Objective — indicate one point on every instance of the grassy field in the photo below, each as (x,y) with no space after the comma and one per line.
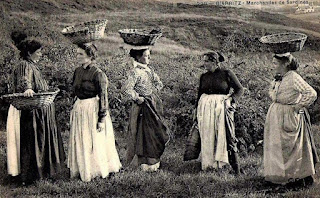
(311,17)
(188,32)
(176,178)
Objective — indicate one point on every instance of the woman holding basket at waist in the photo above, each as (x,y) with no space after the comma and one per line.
(219,88)
(41,151)
(147,132)
(92,151)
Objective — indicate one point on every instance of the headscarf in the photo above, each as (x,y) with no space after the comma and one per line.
(214,56)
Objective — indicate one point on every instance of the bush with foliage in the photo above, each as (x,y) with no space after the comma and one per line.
(179,70)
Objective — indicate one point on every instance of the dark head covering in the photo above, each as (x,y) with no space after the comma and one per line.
(18,37)
(214,56)
(137,53)
(90,49)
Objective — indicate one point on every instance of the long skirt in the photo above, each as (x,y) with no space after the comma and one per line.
(91,153)
(13,141)
(289,150)
(35,147)
(148,134)
(211,122)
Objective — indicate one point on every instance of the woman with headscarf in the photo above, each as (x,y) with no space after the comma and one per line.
(92,151)
(36,143)
(289,149)
(147,132)
(218,90)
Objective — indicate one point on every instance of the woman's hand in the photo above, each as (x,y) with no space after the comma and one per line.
(100,127)
(28,93)
(230,105)
(228,101)
(298,108)
(140,100)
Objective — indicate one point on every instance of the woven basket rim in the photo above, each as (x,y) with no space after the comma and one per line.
(65,31)
(83,26)
(303,36)
(129,31)
(15,95)
(97,21)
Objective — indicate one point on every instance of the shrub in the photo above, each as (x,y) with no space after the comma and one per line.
(177,65)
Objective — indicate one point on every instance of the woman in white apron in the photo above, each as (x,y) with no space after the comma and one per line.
(35,147)
(219,88)
(92,151)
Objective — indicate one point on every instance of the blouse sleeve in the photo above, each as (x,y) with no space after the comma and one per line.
(102,87)
(236,85)
(157,82)
(24,77)
(273,89)
(128,91)
(307,94)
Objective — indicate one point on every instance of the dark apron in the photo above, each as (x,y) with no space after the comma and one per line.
(147,132)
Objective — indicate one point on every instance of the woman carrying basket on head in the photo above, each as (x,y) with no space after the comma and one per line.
(219,88)
(289,151)
(92,151)
(147,132)
(39,153)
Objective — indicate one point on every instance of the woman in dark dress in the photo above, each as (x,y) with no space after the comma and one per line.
(147,132)
(219,89)
(41,149)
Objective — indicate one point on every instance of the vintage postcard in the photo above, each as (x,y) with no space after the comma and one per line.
(160,98)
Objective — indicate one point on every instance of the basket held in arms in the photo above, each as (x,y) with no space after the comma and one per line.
(284,42)
(39,100)
(85,32)
(139,37)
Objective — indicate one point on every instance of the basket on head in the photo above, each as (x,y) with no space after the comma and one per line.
(85,32)
(140,37)
(39,100)
(284,42)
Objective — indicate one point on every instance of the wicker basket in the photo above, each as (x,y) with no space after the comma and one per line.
(85,32)
(39,100)
(139,37)
(285,42)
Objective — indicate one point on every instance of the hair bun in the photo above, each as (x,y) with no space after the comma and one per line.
(18,38)
(294,64)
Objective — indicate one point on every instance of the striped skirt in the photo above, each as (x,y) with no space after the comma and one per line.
(40,152)
(148,135)
(289,151)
